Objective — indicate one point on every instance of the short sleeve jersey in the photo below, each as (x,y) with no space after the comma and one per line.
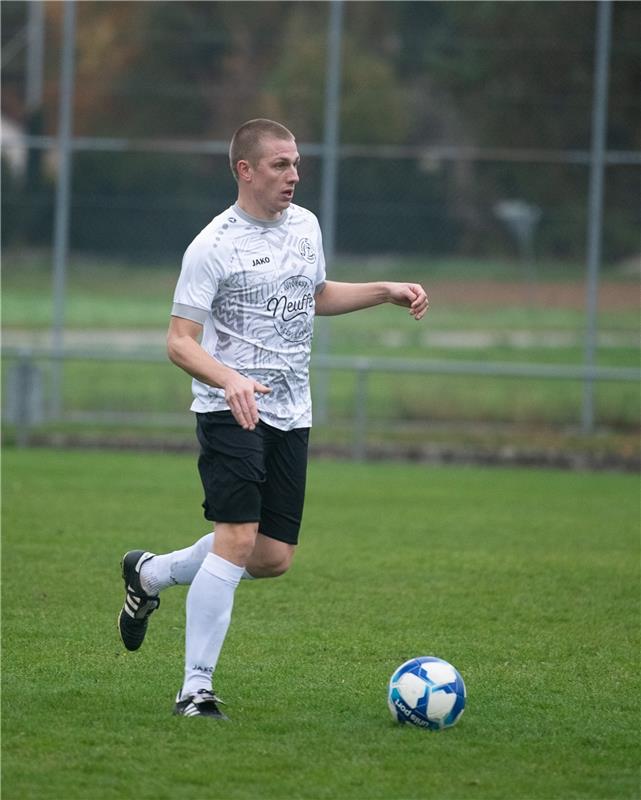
(251,284)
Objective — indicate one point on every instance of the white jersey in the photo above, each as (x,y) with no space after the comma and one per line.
(251,284)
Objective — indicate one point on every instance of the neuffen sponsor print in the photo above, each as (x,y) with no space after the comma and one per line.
(292,308)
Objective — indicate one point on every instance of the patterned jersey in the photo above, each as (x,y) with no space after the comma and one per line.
(251,284)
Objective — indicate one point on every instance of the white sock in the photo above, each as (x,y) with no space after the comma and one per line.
(209,604)
(177,568)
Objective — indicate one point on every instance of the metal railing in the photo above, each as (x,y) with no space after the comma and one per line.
(25,408)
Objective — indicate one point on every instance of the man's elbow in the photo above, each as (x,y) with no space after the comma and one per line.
(174,349)
(320,303)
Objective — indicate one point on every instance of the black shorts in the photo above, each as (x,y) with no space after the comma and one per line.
(253,476)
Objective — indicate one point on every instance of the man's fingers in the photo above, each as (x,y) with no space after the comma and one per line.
(243,413)
(420,303)
(411,295)
(243,405)
(419,307)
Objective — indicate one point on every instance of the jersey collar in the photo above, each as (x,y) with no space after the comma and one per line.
(262,223)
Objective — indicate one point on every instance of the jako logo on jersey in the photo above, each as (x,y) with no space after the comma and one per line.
(291,308)
(258,261)
(306,249)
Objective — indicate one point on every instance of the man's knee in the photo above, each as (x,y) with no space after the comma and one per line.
(235,542)
(270,558)
(275,567)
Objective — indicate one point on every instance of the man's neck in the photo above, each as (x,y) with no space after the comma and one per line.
(261,221)
(256,212)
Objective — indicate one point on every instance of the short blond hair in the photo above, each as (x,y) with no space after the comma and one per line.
(246,142)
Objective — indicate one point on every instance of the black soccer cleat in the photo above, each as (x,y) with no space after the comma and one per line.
(134,615)
(202,703)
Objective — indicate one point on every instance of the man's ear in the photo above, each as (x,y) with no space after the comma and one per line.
(244,170)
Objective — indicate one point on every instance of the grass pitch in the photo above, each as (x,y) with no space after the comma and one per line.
(527,581)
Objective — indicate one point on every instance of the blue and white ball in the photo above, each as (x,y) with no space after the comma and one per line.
(427,692)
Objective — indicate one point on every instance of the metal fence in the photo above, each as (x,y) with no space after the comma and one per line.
(28,400)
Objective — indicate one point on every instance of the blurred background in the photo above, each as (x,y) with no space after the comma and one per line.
(490,150)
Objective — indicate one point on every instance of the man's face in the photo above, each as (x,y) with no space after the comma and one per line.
(273,178)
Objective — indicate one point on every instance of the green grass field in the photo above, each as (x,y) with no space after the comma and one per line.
(528,581)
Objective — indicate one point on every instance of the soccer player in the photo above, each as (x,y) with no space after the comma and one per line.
(241,326)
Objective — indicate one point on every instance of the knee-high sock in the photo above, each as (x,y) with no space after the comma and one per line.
(178,567)
(209,604)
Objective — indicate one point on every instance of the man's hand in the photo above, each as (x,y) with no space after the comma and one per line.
(240,394)
(411,295)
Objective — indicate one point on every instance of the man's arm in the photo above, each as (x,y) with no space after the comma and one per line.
(184,350)
(336,297)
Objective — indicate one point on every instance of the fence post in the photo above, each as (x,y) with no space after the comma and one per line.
(329,179)
(359,443)
(595,205)
(63,199)
(25,397)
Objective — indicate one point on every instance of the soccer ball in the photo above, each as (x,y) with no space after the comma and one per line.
(427,692)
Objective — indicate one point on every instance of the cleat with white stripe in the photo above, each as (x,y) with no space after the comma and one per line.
(138,605)
(202,703)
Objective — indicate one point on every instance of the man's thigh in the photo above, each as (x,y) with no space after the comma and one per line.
(232,469)
(283,493)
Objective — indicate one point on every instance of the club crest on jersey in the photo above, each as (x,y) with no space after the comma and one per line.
(306,249)
(292,308)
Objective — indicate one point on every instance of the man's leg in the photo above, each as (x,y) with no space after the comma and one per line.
(211,596)
(209,605)
(147,574)
(269,559)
